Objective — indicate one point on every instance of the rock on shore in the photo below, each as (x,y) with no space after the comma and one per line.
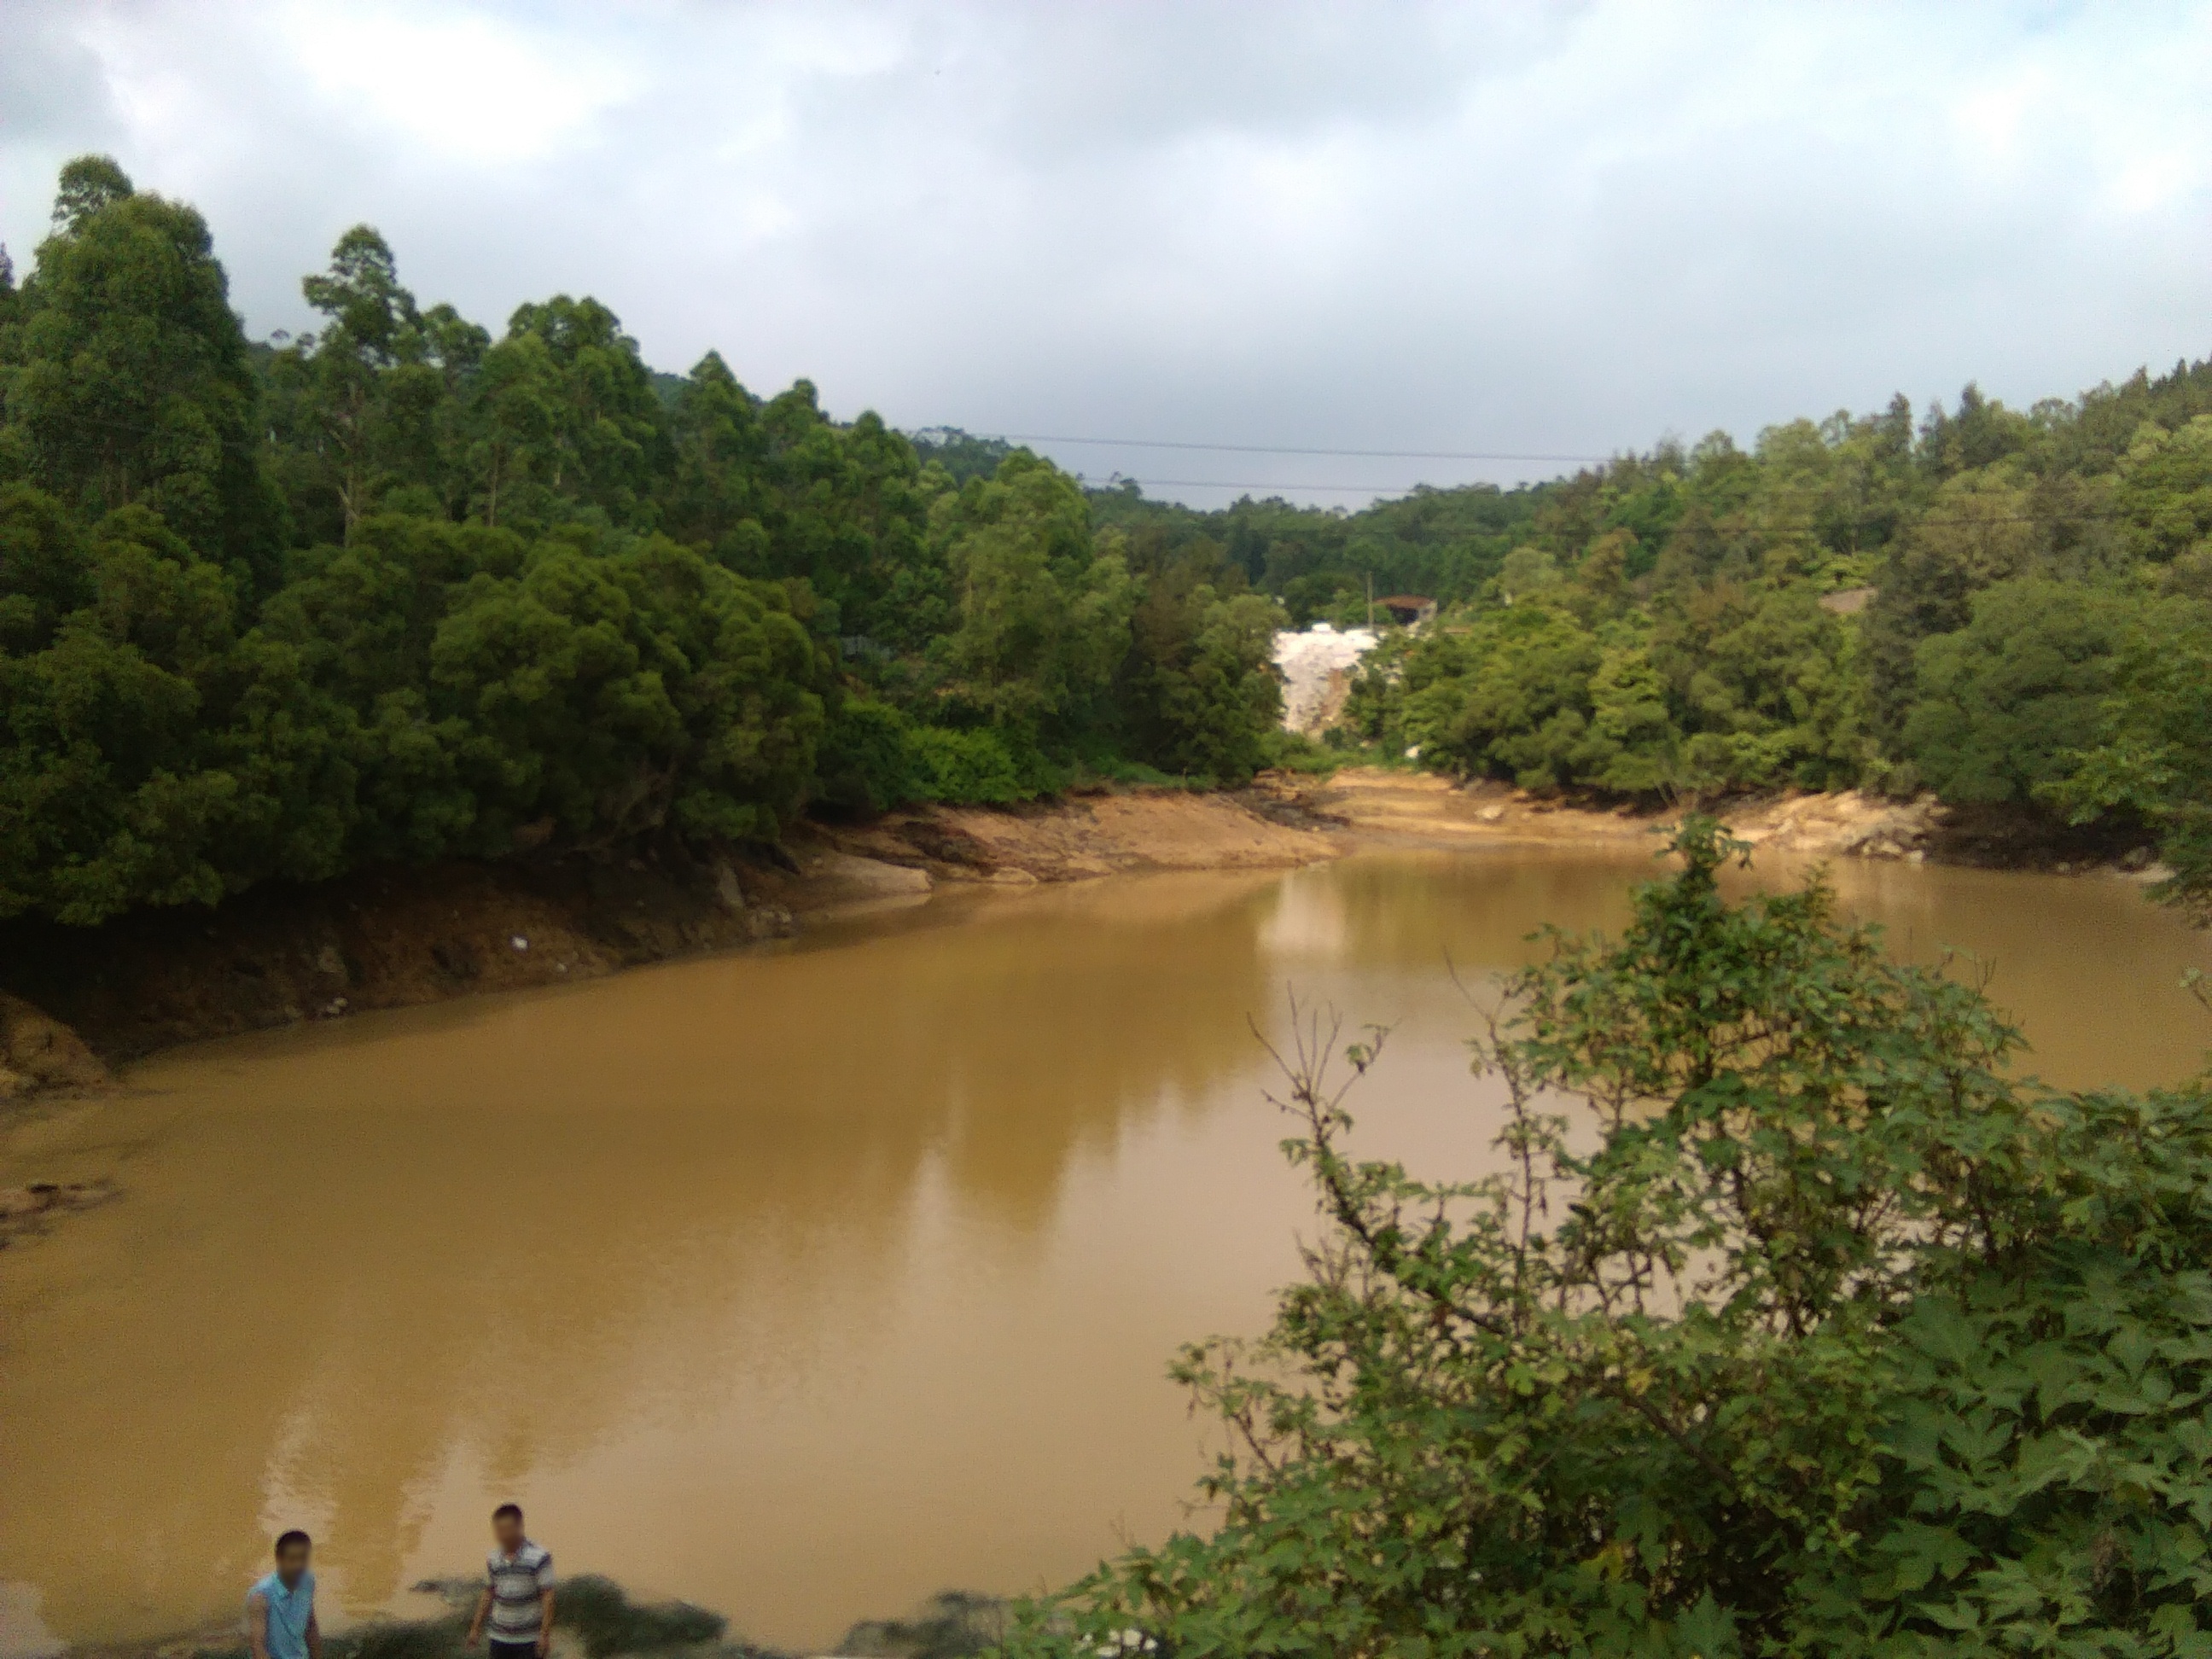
(39,1054)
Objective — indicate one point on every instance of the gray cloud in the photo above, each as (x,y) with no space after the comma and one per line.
(1473,227)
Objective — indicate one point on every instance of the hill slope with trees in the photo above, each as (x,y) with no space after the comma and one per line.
(398,589)
(401,589)
(2014,609)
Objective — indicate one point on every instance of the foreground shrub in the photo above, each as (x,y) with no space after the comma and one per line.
(953,1625)
(608,1622)
(1794,1324)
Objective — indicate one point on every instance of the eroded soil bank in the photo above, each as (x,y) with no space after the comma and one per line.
(392,937)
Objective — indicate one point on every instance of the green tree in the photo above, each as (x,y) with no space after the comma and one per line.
(108,797)
(1629,746)
(716,495)
(131,384)
(563,419)
(2005,701)
(847,515)
(2164,494)
(621,691)
(1511,699)
(1978,530)
(359,405)
(1043,618)
(87,186)
(1768,687)
(2151,758)
(1198,689)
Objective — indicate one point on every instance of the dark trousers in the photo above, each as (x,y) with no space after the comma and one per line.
(513,1649)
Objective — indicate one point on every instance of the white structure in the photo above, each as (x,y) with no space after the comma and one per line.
(1316,668)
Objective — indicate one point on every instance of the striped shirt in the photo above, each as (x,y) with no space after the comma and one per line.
(518,1583)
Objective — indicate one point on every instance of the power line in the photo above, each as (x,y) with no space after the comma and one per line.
(1760,526)
(1285,449)
(1225,484)
(1902,510)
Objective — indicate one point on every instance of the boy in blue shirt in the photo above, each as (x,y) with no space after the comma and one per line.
(280,1610)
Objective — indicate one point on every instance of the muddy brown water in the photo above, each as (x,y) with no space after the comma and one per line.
(803,1283)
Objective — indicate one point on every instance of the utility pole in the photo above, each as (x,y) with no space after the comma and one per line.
(1370,601)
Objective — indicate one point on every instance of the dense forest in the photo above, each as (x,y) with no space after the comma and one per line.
(2013,610)
(396,589)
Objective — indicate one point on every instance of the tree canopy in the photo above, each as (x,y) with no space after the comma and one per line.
(401,589)
(1984,603)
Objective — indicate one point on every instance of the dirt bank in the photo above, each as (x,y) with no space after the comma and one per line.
(1389,806)
(1092,835)
(390,938)
(1374,805)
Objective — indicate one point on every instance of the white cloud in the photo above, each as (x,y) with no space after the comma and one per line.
(1437,226)
(470,90)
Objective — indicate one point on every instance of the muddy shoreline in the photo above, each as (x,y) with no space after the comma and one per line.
(75,1002)
(1421,808)
(598,1616)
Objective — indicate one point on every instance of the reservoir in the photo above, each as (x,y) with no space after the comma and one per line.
(806,1282)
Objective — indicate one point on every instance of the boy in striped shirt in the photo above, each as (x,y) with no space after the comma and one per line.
(518,1596)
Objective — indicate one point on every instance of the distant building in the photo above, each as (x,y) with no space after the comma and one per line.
(1408,609)
(1848,601)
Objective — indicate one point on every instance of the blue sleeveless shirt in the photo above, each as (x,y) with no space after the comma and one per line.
(290,1610)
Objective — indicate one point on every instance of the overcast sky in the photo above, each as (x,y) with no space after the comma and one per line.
(1506,228)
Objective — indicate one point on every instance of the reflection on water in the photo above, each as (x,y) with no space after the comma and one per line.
(801,1284)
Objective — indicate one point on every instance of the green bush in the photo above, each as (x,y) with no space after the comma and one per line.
(428,1638)
(868,761)
(610,1623)
(875,757)
(955,1624)
(1293,751)
(979,767)
(1792,1323)
(2003,700)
